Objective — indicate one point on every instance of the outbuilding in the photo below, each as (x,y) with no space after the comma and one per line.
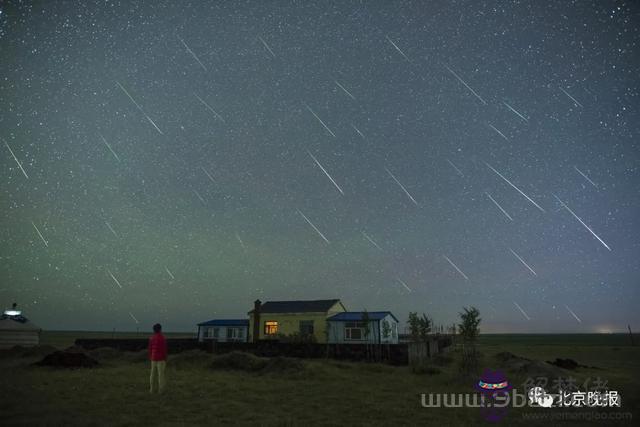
(15,329)
(223,330)
(350,327)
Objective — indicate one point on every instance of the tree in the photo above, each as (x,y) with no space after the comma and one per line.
(386,333)
(366,330)
(414,326)
(419,326)
(424,327)
(469,331)
(470,320)
(386,329)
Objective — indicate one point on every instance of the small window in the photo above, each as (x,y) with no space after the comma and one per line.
(306,327)
(354,324)
(353,333)
(235,333)
(212,332)
(270,327)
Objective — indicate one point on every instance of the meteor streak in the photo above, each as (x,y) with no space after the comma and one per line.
(582,222)
(320,120)
(466,85)
(522,261)
(402,186)
(513,185)
(456,267)
(326,173)
(312,225)
(40,234)
(16,159)
(522,311)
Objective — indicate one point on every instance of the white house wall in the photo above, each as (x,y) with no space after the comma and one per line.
(222,335)
(393,336)
(8,339)
(337,334)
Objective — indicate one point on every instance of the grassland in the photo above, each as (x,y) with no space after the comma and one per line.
(325,392)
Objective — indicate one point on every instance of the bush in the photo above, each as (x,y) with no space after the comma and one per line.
(240,361)
(297,338)
(189,358)
(425,369)
(442,359)
(282,364)
(68,359)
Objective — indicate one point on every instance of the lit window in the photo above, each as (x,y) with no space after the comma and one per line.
(270,327)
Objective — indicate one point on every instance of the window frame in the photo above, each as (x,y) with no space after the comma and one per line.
(270,327)
(351,326)
(306,323)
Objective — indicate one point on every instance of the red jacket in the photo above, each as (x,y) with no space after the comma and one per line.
(157,347)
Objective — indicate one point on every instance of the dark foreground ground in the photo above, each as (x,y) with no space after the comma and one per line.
(308,393)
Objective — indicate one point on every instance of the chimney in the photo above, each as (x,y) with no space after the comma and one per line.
(256,320)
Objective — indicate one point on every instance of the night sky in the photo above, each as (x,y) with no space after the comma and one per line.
(172,161)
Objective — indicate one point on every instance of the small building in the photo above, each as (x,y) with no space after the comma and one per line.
(350,328)
(15,329)
(224,330)
(277,319)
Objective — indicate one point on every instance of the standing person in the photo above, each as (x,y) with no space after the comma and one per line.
(158,357)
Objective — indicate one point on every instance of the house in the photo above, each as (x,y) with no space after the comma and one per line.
(275,319)
(15,329)
(223,330)
(349,327)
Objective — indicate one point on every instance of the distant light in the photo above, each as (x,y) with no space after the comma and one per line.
(12,312)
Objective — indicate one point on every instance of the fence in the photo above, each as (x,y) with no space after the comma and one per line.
(395,354)
(420,352)
(175,345)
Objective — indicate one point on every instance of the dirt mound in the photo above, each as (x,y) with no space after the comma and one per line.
(68,359)
(569,364)
(239,360)
(532,368)
(75,349)
(283,365)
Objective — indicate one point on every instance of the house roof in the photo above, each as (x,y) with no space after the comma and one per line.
(312,306)
(225,322)
(357,316)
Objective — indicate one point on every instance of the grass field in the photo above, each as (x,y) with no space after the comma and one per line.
(323,392)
